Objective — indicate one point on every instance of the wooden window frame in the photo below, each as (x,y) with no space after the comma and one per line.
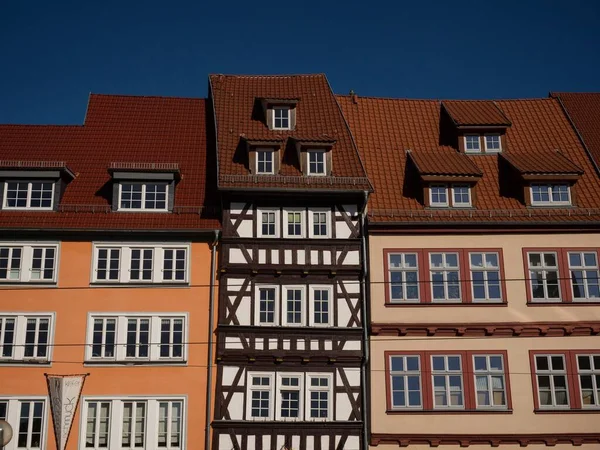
(19,338)
(485,143)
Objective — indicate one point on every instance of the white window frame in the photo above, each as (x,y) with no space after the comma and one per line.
(125,262)
(447,373)
(593,372)
(485,270)
(270,152)
(144,185)
(461,204)
(551,372)
(19,338)
(445,269)
(439,204)
(259,231)
(270,389)
(492,150)
(405,374)
(321,287)
(403,269)
(29,189)
(289,117)
(549,187)
(311,223)
(279,396)
(323,153)
(302,213)
(154,340)
(14,415)
(310,389)
(276,312)
(544,269)
(584,269)
(26,269)
(284,305)
(151,422)
(490,373)
(467,150)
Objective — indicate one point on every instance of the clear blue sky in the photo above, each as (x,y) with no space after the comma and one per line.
(54,53)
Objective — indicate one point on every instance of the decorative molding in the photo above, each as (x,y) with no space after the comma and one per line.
(494,440)
(516,329)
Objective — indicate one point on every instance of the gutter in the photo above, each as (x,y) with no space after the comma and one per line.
(365,364)
(209,366)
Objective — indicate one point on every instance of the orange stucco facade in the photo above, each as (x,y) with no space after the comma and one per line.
(73,298)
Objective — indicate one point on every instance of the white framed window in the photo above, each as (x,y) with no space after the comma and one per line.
(34,195)
(405,382)
(120,338)
(551,381)
(472,143)
(289,396)
(294,223)
(264,161)
(266,305)
(588,370)
(461,195)
(260,393)
(493,144)
(28,263)
(317,164)
(128,423)
(584,275)
(321,301)
(490,385)
(319,223)
(294,305)
(28,418)
(447,381)
(544,276)
(268,222)
(445,277)
(319,396)
(26,337)
(281,118)
(147,263)
(438,195)
(485,277)
(404,277)
(143,196)
(550,194)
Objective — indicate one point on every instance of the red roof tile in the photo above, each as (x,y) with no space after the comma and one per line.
(444,162)
(583,110)
(542,162)
(538,126)
(475,113)
(318,119)
(123,129)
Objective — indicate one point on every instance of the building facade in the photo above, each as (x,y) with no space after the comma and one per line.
(291,316)
(105,270)
(483,254)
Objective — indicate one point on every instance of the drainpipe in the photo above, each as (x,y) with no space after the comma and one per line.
(365,323)
(211,307)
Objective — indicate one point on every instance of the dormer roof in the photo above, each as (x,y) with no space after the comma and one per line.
(543,162)
(475,113)
(54,169)
(444,162)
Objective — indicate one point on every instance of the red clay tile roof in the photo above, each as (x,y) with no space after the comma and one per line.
(475,113)
(415,124)
(584,111)
(318,119)
(542,162)
(122,129)
(444,162)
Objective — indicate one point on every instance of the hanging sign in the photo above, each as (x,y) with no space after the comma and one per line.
(64,391)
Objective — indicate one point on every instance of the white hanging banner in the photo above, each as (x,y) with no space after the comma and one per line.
(64,391)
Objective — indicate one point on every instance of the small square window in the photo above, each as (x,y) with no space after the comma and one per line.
(472,143)
(264,161)
(281,118)
(492,143)
(438,195)
(461,195)
(550,194)
(316,162)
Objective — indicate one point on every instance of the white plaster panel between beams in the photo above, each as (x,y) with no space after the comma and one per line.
(287,256)
(352,258)
(236,406)
(280,441)
(272,343)
(352,286)
(274,256)
(266,439)
(286,344)
(262,256)
(328,345)
(327,258)
(235,284)
(243,313)
(341,230)
(229,373)
(295,442)
(343,407)
(233,343)
(250,442)
(314,257)
(225,442)
(343,312)
(352,374)
(325,442)
(245,229)
(314,345)
(352,345)
(236,256)
(258,344)
(300,344)
(352,442)
(301,257)
(310,443)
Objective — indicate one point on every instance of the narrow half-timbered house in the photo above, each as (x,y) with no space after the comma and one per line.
(290,335)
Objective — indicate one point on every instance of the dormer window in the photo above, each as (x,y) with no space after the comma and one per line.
(439,195)
(461,195)
(449,195)
(472,143)
(493,143)
(281,117)
(28,195)
(550,194)
(143,196)
(264,161)
(316,162)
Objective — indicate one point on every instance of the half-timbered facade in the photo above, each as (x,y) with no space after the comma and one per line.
(290,335)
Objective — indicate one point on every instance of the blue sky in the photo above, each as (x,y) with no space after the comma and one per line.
(54,53)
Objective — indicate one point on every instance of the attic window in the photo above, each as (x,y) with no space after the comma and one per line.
(472,144)
(143,196)
(317,164)
(264,161)
(450,195)
(281,117)
(28,195)
(550,194)
(493,143)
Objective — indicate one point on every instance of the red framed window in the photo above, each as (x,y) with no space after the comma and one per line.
(566,380)
(447,381)
(568,275)
(444,276)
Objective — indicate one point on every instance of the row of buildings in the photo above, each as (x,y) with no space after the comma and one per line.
(279,267)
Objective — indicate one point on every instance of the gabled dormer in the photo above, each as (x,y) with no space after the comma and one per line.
(280,113)
(546,177)
(264,156)
(33,185)
(314,155)
(480,126)
(144,187)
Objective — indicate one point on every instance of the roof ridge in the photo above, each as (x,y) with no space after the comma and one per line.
(372,97)
(147,96)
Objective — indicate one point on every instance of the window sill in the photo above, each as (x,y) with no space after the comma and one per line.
(108,363)
(137,284)
(447,304)
(567,411)
(577,303)
(449,411)
(27,284)
(26,362)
